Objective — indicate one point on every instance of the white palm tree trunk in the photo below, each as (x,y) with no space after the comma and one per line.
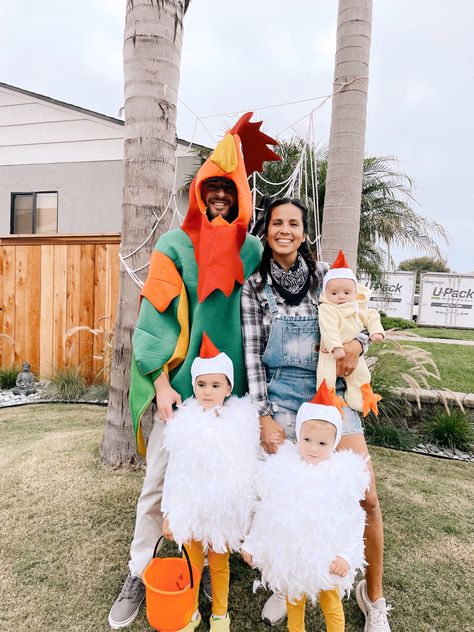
(152,57)
(347,136)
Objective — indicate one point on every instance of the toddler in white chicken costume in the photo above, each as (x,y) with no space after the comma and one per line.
(307,532)
(209,489)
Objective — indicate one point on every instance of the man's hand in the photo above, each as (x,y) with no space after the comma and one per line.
(338,353)
(166,530)
(347,365)
(339,567)
(166,396)
(248,559)
(272,434)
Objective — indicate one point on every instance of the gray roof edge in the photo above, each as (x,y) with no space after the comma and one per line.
(70,106)
(77,108)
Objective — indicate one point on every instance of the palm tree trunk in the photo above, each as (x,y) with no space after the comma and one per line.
(152,56)
(347,137)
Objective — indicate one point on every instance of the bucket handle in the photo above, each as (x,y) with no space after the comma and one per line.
(185,554)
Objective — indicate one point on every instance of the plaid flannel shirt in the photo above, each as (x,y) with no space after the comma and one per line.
(256,324)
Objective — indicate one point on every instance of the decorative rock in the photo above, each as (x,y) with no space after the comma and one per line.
(468,401)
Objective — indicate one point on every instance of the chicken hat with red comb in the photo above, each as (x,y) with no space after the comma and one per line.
(211,360)
(340,269)
(322,408)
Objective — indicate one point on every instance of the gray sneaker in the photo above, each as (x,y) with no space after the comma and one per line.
(274,610)
(206,582)
(375,612)
(125,609)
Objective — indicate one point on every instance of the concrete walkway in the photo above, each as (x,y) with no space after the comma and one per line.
(444,341)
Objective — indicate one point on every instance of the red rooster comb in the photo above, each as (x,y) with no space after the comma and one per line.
(340,261)
(208,348)
(254,143)
(322,396)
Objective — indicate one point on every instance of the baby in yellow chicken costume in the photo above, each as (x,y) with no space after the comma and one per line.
(343,314)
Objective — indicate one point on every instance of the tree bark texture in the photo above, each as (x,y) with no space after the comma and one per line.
(341,219)
(152,57)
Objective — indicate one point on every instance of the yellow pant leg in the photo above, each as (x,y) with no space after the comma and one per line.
(196,555)
(220,577)
(326,370)
(296,615)
(331,605)
(354,381)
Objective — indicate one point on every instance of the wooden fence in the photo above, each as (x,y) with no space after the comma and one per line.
(49,285)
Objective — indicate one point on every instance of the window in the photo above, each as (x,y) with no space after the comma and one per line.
(34,213)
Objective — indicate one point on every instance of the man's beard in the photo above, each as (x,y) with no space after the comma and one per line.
(233,214)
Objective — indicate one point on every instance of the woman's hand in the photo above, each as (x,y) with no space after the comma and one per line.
(166,396)
(248,559)
(272,434)
(339,567)
(345,366)
(166,530)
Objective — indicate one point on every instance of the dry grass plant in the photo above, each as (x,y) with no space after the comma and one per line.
(104,336)
(67,523)
(395,365)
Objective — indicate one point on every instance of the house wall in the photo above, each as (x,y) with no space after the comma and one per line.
(89,193)
(46,145)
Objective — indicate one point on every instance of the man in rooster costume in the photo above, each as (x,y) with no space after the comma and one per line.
(194,283)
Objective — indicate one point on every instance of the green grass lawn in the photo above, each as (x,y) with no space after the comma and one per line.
(67,522)
(455,364)
(448,334)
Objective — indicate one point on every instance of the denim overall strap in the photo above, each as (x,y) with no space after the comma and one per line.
(271,301)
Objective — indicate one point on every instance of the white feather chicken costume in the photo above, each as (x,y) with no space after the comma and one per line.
(308,515)
(209,487)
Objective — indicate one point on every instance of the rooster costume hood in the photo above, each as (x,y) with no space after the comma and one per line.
(196,275)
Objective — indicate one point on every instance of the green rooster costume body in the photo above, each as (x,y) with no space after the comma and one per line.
(196,276)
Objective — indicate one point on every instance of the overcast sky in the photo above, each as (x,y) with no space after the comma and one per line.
(249,54)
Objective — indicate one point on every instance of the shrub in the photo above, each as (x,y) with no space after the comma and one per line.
(66,384)
(388,436)
(451,428)
(8,377)
(395,322)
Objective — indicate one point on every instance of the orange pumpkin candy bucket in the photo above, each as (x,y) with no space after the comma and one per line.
(171,585)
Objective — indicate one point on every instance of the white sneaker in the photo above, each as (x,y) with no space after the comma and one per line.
(274,610)
(375,612)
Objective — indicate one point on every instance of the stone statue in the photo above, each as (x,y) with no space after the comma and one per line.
(25,381)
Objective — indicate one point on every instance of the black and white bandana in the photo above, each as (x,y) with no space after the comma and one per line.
(292,285)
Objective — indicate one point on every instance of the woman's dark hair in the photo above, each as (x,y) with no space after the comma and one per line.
(304,250)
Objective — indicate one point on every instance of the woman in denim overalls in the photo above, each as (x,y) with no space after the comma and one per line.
(281,345)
